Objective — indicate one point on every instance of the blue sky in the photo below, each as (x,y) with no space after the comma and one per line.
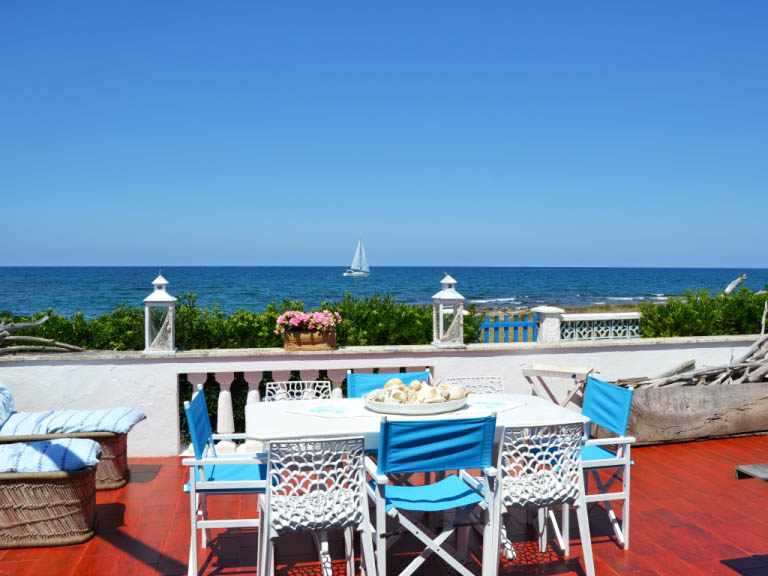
(513,134)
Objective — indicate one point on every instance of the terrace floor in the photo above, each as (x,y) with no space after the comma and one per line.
(689,516)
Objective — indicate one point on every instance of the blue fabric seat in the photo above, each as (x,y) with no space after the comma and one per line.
(451,492)
(593,453)
(230,473)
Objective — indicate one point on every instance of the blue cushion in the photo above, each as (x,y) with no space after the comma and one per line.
(451,492)
(66,454)
(118,420)
(6,403)
(232,473)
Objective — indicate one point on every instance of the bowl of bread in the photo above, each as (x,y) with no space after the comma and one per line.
(416,398)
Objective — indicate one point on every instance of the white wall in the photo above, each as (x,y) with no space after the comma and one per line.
(104,379)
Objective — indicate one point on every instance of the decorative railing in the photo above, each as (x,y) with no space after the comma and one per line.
(223,390)
(600,326)
(522,328)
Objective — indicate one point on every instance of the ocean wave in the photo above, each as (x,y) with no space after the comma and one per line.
(625,298)
(490,300)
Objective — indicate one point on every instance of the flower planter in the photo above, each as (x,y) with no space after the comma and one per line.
(297,340)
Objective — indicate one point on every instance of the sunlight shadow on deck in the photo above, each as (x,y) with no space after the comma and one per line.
(756,565)
(111,518)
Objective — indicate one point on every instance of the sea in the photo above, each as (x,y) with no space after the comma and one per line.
(97,290)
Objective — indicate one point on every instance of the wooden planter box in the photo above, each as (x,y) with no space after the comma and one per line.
(304,340)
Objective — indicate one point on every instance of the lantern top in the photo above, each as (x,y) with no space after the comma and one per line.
(159,295)
(449,291)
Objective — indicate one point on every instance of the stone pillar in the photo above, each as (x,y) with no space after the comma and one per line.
(337,377)
(225,419)
(254,380)
(309,375)
(281,375)
(549,323)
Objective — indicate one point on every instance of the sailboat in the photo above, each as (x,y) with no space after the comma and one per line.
(359,263)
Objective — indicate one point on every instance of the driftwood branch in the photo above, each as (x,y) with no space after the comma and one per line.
(50,344)
(49,341)
(16,349)
(751,367)
(732,286)
(21,325)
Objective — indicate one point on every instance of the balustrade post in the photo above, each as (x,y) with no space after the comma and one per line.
(337,377)
(281,375)
(225,419)
(254,381)
(549,323)
(309,375)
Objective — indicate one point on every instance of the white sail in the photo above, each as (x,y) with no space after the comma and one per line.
(359,256)
(364,260)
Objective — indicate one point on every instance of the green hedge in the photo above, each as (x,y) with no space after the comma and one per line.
(370,321)
(701,313)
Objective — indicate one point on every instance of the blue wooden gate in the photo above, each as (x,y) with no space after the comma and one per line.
(522,328)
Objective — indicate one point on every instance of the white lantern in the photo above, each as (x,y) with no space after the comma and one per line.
(159,319)
(448,301)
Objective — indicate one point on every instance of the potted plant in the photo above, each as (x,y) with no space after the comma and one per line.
(308,330)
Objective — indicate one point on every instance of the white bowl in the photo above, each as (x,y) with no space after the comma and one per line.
(415,409)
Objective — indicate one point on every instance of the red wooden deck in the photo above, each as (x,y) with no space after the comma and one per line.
(689,516)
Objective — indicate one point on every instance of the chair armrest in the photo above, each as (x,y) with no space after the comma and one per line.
(471,481)
(490,471)
(371,468)
(225,461)
(610,441)
(237,436)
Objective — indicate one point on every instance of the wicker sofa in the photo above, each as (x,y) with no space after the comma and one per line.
(108,427)
(52,507)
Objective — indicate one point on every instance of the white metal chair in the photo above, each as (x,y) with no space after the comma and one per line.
(298,390)
(536,375)
(408,447)
(479,384)
(316,485)
(540,467)
(211,475)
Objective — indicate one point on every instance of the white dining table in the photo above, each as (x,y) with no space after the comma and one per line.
(281,420)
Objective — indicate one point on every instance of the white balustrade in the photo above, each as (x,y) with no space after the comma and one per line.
(225,417)
(254,381)
(601,326)
(337,377)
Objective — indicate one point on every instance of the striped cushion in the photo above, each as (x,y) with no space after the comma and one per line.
(6,403)
(118,420)
(49,455)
